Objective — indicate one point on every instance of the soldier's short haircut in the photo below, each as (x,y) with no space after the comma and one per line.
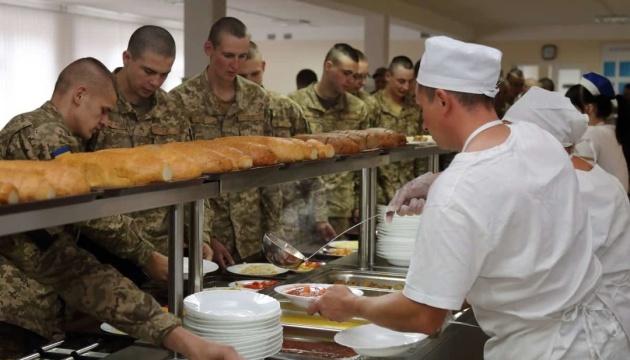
(400,60)
(152,38)
(467,100)
(87,71)
(360,55)
(341,49)
(226,25)
(253,52)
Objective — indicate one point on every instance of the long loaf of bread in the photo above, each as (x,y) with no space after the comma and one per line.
(67,180)
(115,168)
(285,150)
(183,167)
(206,159)
(342,144)
(30,185)
(8,194)
(324,151)
(260,154)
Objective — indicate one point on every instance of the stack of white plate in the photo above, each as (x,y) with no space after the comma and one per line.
(245,320)
(395,240)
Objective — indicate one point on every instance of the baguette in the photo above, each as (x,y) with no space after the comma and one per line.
(65,179)
(260,154)
(30,185)
(285,149)
(240,160)
(207,160)
(183,166)
(8,194)
(115,168)
(359,137)
(324,151)
(341,144)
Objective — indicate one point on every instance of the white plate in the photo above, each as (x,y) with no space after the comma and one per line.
(345,244)
(304,301)
(231,305)
(112,330)
(266,269)
(208,267)
(373,340)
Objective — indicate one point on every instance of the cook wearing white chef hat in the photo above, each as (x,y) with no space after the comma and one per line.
(502,227)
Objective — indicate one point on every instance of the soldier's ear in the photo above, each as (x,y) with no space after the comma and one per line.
(264,64)
(208,48)
(126,56)
(78,95)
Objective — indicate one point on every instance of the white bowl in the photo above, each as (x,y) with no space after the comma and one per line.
(373,340)
(304,301)
(231,305)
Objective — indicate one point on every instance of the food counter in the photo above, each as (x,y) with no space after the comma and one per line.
(30,216)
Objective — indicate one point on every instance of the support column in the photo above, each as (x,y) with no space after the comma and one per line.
(376,40)
(199,15)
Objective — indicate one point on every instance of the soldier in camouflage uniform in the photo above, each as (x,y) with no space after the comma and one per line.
(398,113)
(357,88)
(218,103)
(41,264)
(304,218)
(328,107)
(142,116)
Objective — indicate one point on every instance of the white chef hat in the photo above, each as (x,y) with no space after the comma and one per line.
(552,112)
(454,65)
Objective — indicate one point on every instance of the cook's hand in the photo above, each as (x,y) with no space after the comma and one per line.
(221,254)
(409,200)
(325,230)
(206,252)
(337,304)
(194,347)
(157,267)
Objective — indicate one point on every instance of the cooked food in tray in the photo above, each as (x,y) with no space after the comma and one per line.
(307,291)
(256,269)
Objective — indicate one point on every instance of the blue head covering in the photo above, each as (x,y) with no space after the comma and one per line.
(598,85)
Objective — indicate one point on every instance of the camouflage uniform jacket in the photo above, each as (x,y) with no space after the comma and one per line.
(49,261)
(409,122)
(135,236)
(342,190)
(371,106)
(239,220)
(304,201)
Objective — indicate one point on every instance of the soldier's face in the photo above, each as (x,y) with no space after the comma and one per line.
(228,56)
(92,111)
(360,76)
(400,82)
(147,72)
(253,70)
(342,73)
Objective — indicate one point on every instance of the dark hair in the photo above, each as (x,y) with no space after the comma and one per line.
(360,55)
(627,87)
(228,25)
(305,77)
(381,71)
(547,84)
(467,100)
(400,60)
(152,38)
(622,128)
(580,97)
(416,68)
(339,50)
(253,51)
(86,70)
(514,72)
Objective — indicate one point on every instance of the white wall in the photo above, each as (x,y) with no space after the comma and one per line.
(36,44)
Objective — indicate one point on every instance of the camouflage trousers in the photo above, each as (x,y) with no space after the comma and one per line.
(82,282)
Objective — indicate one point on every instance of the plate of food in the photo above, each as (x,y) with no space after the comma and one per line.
(420,140)
(256,269)
(345,244)
(253,285)
(302,295)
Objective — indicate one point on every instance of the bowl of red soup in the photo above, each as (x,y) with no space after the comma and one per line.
(302,295)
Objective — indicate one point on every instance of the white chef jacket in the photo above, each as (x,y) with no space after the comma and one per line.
(600,144)
(609,211)
(505,229)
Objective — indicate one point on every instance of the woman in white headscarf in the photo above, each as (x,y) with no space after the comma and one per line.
(601,192)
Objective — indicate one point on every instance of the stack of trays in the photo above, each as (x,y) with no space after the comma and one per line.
(395,241)
(245,320)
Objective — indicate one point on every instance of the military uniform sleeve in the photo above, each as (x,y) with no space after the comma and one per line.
(120,235)
(89,286)
(271,204)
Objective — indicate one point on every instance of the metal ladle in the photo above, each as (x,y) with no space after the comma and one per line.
(282,254)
